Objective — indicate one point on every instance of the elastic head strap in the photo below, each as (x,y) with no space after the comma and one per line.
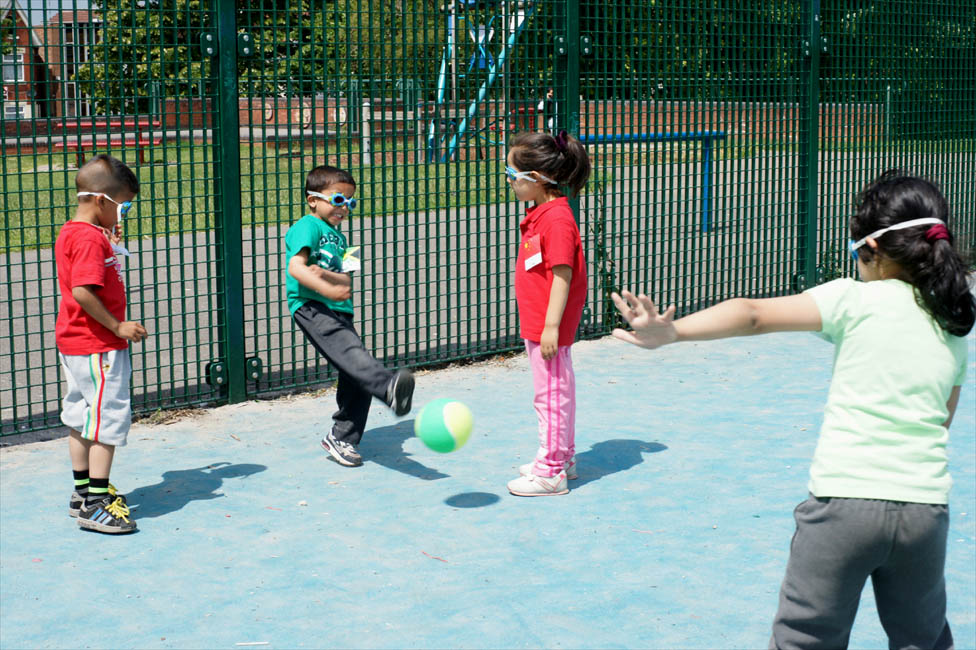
(898,226)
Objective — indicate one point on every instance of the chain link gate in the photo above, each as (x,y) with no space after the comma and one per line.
(728,139)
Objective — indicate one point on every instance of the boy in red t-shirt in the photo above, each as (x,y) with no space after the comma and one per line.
(93,339)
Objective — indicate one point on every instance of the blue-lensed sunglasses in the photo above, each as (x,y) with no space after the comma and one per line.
(515,175)
(121,211)
(854,245)
(336,199)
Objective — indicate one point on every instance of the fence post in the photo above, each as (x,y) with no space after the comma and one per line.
(887,114)
(366,151)
(568,70)
(811,46)
(354,99)
(227,154)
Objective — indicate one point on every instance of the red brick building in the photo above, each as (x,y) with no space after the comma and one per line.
(39,63)
(25,76)
(67,39)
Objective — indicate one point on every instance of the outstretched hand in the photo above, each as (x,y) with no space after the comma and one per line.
(649,328)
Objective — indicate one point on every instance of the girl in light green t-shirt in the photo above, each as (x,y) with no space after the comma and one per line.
(879,481)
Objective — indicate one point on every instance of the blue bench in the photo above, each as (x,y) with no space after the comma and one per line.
(706,137)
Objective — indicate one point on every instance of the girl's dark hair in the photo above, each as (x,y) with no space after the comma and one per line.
(562,158)
(931,264)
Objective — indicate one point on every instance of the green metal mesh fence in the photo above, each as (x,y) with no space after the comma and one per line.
(911,66)
(728,139)
(694,111)
(105,79)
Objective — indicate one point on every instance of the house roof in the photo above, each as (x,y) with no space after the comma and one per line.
(50,33)
(68,17)
(5,8)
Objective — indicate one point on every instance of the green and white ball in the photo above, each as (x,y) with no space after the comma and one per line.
(444,425)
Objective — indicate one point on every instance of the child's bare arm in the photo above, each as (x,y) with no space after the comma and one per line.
(562,275)
(330,284)
(952,404)
(746,317)
(94,307)
(737,317)
(334,277)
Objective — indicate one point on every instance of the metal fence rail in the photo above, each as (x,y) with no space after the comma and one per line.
(728,139)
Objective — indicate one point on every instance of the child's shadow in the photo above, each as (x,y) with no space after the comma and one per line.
(384,446)
(180,487)
(611,456)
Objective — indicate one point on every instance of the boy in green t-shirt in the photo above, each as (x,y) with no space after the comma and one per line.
(319,289)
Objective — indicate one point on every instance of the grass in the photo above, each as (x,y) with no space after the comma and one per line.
(179,190)
(180,185)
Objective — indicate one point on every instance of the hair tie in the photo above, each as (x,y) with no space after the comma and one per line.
(561,141)
(936,232)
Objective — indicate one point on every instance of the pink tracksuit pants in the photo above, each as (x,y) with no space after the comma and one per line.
(555,404)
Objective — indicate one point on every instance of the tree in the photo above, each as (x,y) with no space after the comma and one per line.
(142,48)
(8,33)
(694,49)
(301,47)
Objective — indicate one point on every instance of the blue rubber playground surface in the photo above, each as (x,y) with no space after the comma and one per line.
(676,535)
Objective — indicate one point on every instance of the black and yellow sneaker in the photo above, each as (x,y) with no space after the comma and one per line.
(76,500)
(109,515)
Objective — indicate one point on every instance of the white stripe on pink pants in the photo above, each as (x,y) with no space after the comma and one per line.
(555,404)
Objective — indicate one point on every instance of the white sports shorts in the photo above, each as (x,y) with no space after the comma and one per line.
(97,403)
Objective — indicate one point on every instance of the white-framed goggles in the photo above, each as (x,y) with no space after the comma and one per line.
(515,174)
(898,226)
(121,211)
(338,200)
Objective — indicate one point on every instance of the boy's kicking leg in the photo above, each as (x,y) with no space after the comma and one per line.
(334,336)
(361,377)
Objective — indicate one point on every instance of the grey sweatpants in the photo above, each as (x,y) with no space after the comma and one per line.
(361,376)
(839,543)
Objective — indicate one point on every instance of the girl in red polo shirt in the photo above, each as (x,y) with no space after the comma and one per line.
(550,287)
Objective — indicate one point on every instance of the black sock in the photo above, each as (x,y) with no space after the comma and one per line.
(97,490)
(81,482)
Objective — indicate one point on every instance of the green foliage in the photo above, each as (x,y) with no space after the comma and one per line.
(324,45)
(301,48)
(663,49)
(145,47)
(8,33)
(752,50)
(898,53)
(295,49)
(835,263)
(902,54)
